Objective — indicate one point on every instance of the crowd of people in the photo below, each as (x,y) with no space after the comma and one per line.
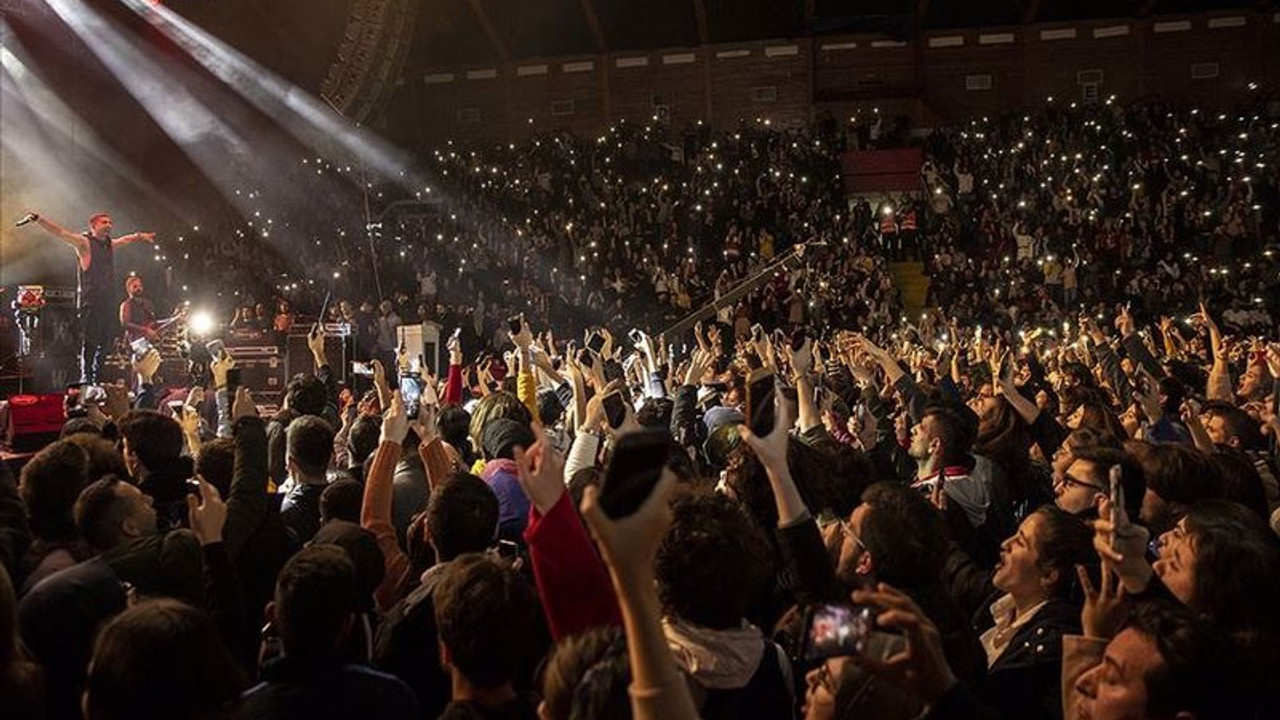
(1052,495)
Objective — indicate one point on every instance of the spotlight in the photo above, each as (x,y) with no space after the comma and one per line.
(202,322)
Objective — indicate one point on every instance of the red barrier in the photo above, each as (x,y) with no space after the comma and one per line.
(31,421)
(870,171)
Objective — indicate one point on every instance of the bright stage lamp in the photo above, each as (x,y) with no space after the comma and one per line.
(202,322)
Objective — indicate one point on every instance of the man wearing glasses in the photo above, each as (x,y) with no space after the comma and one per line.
(1077,487)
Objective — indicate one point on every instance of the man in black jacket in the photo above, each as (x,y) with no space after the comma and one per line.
(310,453)
(153,453)
(314,611)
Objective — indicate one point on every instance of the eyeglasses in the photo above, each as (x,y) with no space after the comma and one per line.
(846,527)
(1070,480)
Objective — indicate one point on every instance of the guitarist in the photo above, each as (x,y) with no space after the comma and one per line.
(137,313)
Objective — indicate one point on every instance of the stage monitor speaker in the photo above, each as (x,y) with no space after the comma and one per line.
(31,421)
(262,368)
(421,341)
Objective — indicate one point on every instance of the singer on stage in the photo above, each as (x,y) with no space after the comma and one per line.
(95,281)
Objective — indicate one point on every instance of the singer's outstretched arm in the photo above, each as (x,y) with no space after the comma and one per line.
(132,238)
(75,240)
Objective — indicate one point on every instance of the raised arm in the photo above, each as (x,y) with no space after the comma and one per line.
(75,240)
(1219,384)
(375,515)
(133,238)
(658,690)
(247,502)
(801,362)
(572,581)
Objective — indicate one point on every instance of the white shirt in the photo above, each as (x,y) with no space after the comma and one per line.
(1008,622)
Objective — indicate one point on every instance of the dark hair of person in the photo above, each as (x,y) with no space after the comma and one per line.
(154,438)
(315,598)
(306,394)
(1177,473)
(1237,562)
(1190,375)
(362,548)
(216,463)
(161,660)
(342,500)
(905,535)
(1079,374)
(1066,542)
(487,617)
(1131,478)
(1005,438)
(99,511)
(362,438)
(1097,416)
(549,408)
(829,478)
(956,431)
(1194,673)
(1087,437)
(454,425)
(310,444)
(655,412)
(712,562)
(586,677)
(1240,479)
(1238,424)
(79,426)
(104,457)
(50,483)
(461,516)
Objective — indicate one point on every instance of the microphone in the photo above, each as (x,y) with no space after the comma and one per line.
(27,219)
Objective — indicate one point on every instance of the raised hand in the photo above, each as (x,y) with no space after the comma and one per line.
(146,366)
(454,345)
(219,367)
(315,343)
(921,668)
(208,515)
(630,544)
(1124,322)
(380,382)
(189,419)
(425,425)
(1149,397)
(771,449)
(524,338)
(541,472)
(698,363)
(1122,544)
(1104,609)
(801,361)
(243,406)
(395,421)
